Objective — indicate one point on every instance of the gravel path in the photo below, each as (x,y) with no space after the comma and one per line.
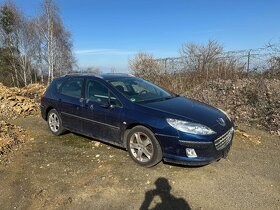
(75,172)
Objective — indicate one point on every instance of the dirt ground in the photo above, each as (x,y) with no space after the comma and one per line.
(75,172)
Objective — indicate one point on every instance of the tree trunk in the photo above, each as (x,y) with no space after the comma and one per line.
(42,76)
(24,70)
(49,47)
(13,80)
(16,75)
(35,76)
(30,73)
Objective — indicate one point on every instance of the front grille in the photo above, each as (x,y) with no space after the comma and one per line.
(224,140)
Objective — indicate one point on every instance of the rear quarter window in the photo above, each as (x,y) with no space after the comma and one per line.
(72,87)
(54,86)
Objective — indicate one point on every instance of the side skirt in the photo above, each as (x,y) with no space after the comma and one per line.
(94,138)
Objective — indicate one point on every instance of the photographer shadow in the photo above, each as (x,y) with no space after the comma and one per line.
(167,200)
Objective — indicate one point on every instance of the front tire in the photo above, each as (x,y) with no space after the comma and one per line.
(55,123)
(143,147)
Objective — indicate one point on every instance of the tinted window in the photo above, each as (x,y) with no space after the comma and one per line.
(97,92)
(72,87)
(54,87)
(100,93)
(56,83)
(114,100)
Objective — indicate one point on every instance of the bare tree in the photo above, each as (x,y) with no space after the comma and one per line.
(63,56)
(35,50)
(33,46)
(46,27)
(273,60)
(56,44)
(27,48)
(199,57)
(209,61)
(144,65)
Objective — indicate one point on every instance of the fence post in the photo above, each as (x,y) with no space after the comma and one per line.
(165,61)
(248,61)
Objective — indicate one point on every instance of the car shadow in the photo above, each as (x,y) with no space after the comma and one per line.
(161,198)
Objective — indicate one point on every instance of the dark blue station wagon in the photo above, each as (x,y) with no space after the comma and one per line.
(150,122)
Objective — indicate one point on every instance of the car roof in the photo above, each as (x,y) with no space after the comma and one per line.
(101,76)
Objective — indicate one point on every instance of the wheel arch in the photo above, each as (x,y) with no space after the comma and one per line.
(131,126)
(47,112)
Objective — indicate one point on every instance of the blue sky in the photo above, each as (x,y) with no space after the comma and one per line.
(106,33)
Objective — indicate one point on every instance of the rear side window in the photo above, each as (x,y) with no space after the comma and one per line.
(72,87)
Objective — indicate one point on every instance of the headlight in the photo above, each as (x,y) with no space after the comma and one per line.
(189,127)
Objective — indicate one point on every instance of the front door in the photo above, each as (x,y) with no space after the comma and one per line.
(102,112)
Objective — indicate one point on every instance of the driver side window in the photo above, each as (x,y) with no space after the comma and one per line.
(101,94)
(97,92)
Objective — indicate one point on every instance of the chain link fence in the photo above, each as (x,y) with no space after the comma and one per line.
(249,60)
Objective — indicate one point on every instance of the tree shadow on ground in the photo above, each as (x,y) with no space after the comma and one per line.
(161,198)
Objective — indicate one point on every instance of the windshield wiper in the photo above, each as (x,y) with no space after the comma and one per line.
(167,98)
(156,99)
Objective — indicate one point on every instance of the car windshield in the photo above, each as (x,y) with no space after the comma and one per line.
(140,91)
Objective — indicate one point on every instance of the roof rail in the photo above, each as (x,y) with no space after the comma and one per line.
(98,75)
(118,74)
(81,74)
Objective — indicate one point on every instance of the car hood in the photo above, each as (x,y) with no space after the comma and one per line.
(188,109)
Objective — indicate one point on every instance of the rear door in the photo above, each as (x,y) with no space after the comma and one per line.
(71,101)
(102,112)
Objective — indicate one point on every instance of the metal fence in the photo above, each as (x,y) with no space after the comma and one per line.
(249,60)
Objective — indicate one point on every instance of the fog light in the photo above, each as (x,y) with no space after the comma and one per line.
(191,153)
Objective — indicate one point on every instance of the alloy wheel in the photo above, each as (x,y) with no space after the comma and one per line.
(54,122)
(141,147)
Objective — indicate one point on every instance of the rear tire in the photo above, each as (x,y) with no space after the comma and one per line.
(55,123)
(143,147)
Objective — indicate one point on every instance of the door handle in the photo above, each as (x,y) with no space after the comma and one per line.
(91,107)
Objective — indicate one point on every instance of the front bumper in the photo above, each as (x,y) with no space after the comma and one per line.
(174,149)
